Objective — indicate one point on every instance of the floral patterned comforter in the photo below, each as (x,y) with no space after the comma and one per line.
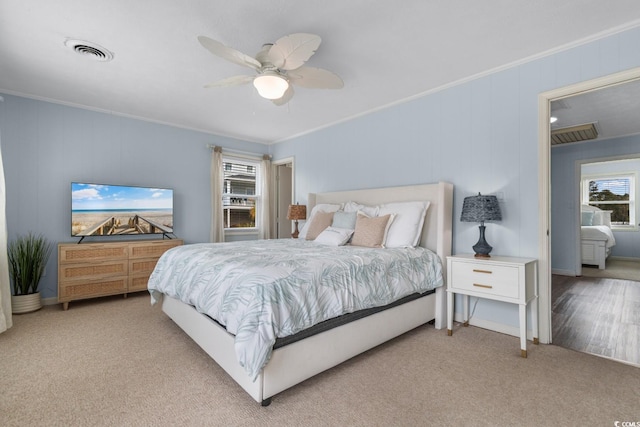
(264,289)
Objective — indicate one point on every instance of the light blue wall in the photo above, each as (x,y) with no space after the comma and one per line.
(564,205)
(45,146)
(480,135)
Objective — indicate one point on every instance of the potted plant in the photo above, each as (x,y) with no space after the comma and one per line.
(28,257)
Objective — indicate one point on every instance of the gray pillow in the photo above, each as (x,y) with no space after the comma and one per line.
(344,220)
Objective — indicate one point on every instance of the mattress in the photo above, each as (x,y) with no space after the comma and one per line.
(268,289)
(342,320)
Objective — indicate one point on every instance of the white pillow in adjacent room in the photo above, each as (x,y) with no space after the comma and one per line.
(333,236)
(321,207)
(407,225)
(586,217)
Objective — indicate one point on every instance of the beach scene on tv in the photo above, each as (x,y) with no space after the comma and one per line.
(104,210)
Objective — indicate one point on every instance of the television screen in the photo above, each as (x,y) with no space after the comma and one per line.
(108,210)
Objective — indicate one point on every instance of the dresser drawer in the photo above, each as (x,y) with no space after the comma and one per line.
(91,252)
(486,279)
(152,249)
(80,289)
(98,270)
(139,272)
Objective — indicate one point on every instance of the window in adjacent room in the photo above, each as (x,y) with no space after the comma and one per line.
(240,193)
(615,193)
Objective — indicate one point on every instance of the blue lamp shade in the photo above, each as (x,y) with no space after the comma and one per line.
(480,209)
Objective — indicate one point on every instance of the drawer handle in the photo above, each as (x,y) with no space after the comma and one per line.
(482,271)
(483,286)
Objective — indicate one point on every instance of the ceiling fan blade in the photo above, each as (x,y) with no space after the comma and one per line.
(315,78)
(292,51)
(228,53)
(288,94)
(231,81)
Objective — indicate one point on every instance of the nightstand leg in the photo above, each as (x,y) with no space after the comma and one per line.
(534,318)
(450,297)
(465,307)
(523,330)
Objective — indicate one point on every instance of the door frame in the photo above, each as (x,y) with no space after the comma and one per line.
(544,183)
(274,165)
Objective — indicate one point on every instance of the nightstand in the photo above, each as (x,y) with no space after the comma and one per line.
(507,279)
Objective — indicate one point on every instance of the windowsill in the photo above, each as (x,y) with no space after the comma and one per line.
(624,228)
(240,231)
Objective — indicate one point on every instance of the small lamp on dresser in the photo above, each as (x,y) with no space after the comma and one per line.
(295,213)
(480,209)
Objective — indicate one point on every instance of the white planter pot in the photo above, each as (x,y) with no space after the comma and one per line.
(25,303)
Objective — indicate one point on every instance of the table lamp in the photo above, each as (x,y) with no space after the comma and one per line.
(480,209)
(296,212)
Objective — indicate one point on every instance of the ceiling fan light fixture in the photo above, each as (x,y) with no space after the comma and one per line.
(271,85)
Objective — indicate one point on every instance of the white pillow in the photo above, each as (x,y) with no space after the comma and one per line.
(406,227)
(334,236)
(370,211)
(321,207)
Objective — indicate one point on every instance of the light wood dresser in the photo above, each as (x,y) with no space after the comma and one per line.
(89,270)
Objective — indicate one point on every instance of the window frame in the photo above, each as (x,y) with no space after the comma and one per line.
(257,197)
(632,177)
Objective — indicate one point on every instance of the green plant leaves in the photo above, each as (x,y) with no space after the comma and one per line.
(28,257)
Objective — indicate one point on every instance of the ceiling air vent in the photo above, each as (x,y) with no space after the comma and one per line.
(574,134)
(89,49)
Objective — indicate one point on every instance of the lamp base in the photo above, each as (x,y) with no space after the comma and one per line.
(295,232)
(482,248)
(482,256)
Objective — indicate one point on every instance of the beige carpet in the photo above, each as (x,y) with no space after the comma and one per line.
(615,269)
(120,362)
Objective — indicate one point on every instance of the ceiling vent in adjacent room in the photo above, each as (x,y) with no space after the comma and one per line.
(89,49)
(574,134)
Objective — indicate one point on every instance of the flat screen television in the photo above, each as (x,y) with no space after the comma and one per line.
(113,210)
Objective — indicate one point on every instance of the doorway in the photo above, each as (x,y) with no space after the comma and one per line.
(545,230)
(283,185)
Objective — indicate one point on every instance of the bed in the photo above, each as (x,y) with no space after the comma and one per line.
(596,237)
(293,363)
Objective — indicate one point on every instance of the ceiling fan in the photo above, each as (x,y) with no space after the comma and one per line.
(278,66)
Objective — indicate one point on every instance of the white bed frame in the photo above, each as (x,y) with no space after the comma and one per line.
(594,252)
(294,363)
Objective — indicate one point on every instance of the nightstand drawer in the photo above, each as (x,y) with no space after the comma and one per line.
(488,279)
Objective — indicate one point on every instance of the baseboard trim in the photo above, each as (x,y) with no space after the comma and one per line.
(624,258)
(50,301)
(560,272)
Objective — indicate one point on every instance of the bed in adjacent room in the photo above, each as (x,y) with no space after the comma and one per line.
(596,236)
(367,268)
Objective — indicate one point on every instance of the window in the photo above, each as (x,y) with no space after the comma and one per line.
(615,193)
(240,192)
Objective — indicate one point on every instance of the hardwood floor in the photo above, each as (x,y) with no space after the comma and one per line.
(596,315)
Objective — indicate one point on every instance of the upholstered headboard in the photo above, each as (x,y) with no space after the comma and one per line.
(437,230)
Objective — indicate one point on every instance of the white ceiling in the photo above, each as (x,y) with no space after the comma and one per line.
(385,51)
(615,110)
